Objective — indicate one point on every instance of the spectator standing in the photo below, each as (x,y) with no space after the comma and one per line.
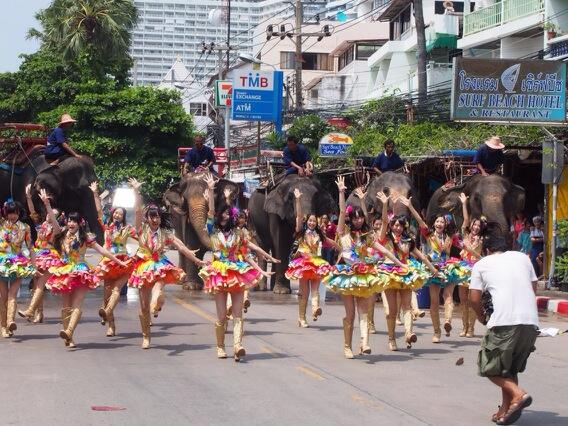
(524,239)
(513,326)
(388,160)
(537,243)
(330,230)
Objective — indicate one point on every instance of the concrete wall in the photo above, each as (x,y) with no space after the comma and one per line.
(518,47)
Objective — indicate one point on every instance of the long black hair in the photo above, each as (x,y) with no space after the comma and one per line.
(352,213)
(77,218)
(405,237)
(153,210)
(11,206)
(110,219)
(231,223)
(302,232)
(482,225)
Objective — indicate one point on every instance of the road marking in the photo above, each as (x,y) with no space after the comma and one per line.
(309,372)
(366,402)
(268,350)
(196,310)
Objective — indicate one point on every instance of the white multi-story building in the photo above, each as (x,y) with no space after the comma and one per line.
(168,29)
(516,29)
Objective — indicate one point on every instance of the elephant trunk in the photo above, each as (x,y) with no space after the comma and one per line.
(493,210)
(197,216)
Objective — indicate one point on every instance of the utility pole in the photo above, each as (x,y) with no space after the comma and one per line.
(298,62)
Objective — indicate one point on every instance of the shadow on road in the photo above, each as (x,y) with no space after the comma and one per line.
(175,350)
(548,418)
(263,356)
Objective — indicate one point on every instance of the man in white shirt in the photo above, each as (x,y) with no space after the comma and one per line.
(513,326)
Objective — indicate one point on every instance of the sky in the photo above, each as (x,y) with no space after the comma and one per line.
(16,19)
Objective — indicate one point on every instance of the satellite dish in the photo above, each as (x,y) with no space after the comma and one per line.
(216,17)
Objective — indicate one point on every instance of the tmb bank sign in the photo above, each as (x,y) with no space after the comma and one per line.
(257,96)
(509,91)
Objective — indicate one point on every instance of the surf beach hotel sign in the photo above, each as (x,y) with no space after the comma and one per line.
(509,91)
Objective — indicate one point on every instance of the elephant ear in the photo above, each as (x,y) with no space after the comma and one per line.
(279,200)
(325,203)
(516,199)
(173,199)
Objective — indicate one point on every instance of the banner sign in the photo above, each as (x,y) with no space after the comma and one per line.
(257,96)
(509,91)
(334,145)
(551,172)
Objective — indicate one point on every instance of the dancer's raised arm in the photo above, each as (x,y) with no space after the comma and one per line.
(298,205)
(340,182)
(384,199)
(52,219)
(408,203)
(135,185)
(95,190)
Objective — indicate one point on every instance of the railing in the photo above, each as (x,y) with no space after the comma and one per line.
(499,14)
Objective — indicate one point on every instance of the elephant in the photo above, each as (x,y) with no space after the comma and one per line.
(493,196)
(391,183)
(188,209)
(272,218)
(67,183)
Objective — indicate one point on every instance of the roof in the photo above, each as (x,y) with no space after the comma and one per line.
(312,83)
(346,44)
(393,9)
(178,73)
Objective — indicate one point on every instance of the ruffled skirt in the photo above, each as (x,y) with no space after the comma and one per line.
(455,271)
(108,270)
(47,258)
(149,270)
(411,278)
(228,276)
(15,266)
(70,276)
(305,266)
(358,279)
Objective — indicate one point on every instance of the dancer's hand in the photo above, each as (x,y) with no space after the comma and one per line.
(404,201)
(382,197)
(44,197)
(359,193)
(340,182)
(135,184)
(94,187)
(274,260)
(29,191)
(227,193)
(297,193)
(266,274)
(209,180)
(463,198)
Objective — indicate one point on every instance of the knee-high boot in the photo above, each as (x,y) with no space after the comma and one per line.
(37,298)
(238,331)
(4,319)
(145,325)
(448,312)
(302,305)
(220,335)
(158,300)
(391,326)
(11,316)
(471,323)
(246,301)
(316,309)
(435,315)
(108,312)
(73,315)
(106,296)
(364,348)
(348,338)
(416,311)
(65,317)
(371,315)
(409,335)
(465,319)
(38,317)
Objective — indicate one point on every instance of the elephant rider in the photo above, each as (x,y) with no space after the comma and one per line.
(297,158)
(200,158)
(489,157)
(388,160)
(57,145)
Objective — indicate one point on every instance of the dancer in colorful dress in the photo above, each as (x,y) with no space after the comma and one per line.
(395,236)
(74,277)
(357,276)
(232,269)
(307,265)
(437,246)
(14,264)
(472,231)
(152,268)
(116,235)
(45,257)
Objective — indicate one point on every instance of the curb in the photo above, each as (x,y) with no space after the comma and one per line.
(558,306)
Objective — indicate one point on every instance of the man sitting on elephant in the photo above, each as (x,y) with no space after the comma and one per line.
(200,158)
(57,145)
(388,160)
(489,157)
(297,158)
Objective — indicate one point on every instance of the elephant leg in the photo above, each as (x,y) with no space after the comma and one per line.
(282,238)
(262,283)
(194,281)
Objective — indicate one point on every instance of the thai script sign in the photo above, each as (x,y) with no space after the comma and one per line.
(551,170)
(509,91)
(334,145)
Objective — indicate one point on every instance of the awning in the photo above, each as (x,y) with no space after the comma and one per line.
(441,40)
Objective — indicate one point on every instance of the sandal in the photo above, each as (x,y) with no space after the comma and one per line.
(515,410)
(496,415)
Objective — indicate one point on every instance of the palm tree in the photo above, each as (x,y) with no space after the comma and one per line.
(98,28)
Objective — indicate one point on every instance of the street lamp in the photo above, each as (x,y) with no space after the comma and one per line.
(248,58)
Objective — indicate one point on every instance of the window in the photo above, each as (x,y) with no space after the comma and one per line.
(400,24)
(198,109)
(310,61)
(365,50)
(346,58)
(314,93)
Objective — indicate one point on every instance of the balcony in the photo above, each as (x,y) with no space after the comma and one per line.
(558,48)
(499,14)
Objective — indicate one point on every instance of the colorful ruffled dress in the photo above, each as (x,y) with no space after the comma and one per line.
(357,273)
(151,264)
(468,257)
(455,270)
(75,271)
(45,254)
(412,277)
(307,262)
(229,270)
(13,263)
(116,237)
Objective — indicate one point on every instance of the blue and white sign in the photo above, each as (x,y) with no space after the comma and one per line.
(335,145)
(257,96)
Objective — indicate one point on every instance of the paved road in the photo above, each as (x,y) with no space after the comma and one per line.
(290,375)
